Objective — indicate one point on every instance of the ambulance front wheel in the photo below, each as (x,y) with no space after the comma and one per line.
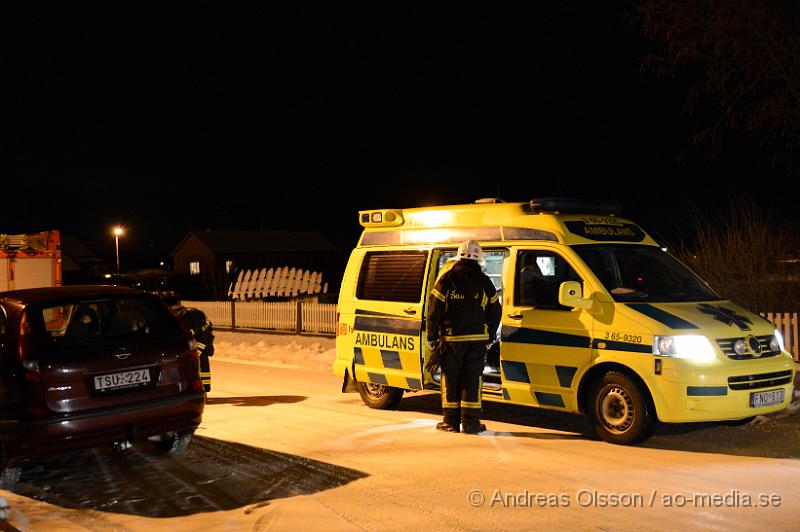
(621,411)
(379,395)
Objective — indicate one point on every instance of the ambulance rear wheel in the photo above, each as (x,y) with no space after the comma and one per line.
(620,410)
(379,395)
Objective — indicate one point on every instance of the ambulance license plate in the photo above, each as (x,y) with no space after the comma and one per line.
(125,379)
(768,398)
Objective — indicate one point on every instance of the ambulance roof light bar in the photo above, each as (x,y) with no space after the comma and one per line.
(575,206)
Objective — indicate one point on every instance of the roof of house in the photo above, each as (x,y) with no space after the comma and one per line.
(261,241)
(75,256)
(77,250)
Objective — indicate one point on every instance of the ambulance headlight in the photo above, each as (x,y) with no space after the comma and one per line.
(691,346)
(776,342)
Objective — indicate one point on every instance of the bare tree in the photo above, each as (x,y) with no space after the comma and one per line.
(741,59)
(746,255)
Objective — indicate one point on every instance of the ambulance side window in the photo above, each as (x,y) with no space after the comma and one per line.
(392,276)
(493,266)
(538,277)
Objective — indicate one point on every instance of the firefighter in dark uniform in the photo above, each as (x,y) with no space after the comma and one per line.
(463,316)
(203,333)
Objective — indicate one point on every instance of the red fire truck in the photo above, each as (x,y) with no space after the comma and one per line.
(30,260)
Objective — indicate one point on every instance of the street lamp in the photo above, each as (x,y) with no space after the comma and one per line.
(117,233)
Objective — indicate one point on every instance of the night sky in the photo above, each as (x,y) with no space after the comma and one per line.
(171,118)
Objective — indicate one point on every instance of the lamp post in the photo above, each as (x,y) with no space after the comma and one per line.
(117,233)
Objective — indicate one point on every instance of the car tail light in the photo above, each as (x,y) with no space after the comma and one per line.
(27,350)
(196,381)
(197,384)
(337,323)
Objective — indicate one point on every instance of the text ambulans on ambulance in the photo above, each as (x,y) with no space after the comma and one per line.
(597,318)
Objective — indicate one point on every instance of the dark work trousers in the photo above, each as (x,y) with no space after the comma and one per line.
(462,370)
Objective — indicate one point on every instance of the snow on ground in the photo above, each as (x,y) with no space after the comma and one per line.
(315,353)
(284,450)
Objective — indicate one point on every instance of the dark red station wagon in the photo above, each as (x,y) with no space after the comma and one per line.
(85,366)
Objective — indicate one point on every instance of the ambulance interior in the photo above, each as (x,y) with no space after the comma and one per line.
(493,268)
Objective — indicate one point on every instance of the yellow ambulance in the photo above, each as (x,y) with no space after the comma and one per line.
(597,318)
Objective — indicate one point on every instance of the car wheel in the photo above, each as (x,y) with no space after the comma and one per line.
(620,410)
(379,395)
(173,442)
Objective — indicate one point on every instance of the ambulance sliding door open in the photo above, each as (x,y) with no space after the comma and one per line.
(494,268)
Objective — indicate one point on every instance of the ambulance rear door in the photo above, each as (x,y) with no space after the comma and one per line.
(389,317)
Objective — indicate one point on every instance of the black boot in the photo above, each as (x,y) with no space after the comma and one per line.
(446,426)
(450,420)
(471,421)
(474,428)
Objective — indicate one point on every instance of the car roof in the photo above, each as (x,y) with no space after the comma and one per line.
(40,295)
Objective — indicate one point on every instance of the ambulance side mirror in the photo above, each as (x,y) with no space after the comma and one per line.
(570,294)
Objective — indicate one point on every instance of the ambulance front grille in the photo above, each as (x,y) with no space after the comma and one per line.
(761,380)
(726,345)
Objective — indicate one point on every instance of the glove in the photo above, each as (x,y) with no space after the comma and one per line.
(434,361)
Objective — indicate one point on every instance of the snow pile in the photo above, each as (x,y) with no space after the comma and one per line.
(282,350)
(793,408)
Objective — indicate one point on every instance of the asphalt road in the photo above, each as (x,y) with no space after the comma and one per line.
(283,449)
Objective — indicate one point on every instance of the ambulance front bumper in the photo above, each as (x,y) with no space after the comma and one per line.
(729,390)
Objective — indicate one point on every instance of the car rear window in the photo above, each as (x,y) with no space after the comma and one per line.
(107,318)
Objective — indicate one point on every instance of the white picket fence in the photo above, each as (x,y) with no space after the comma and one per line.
(317,318)
(320,318)
(787,324)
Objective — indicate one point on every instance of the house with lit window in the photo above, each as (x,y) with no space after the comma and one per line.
(217,256)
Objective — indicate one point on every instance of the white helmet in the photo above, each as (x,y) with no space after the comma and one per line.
(471,250)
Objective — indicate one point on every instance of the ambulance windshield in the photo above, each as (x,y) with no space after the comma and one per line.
(643,273)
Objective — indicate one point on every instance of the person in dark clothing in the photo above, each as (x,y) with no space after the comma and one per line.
(203,332)
(463,316)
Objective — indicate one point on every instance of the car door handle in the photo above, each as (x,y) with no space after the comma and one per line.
(410,311)
(514,316)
